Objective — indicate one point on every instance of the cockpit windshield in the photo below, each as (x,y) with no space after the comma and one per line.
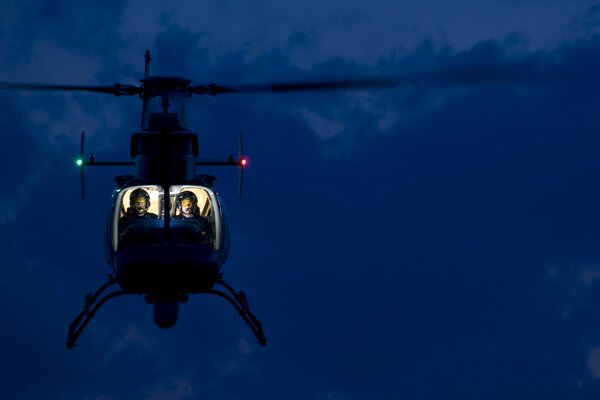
(139,215)
(147,202)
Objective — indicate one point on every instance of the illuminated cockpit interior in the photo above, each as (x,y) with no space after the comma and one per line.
(129,199)
(156,196)
(139,215)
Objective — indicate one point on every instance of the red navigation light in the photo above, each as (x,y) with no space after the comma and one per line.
(244,162)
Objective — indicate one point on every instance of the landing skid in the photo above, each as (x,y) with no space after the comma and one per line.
(81,321)
(237,300)
(240,302)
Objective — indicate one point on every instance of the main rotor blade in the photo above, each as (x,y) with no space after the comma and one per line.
(306,86)
(528,71)
(213,89)
(117,89)
(522,72)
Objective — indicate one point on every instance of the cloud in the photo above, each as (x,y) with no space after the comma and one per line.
(181,390)
(133,338)
(587,22)
(394,242)
(244,347)
(593,361)
(20,152)
(589,275)
(100,398)
(435,234)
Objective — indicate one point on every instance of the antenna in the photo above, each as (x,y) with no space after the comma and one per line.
(147,59)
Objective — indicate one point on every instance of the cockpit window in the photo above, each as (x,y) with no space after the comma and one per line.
(147,201)
(191,202)
(139,217)
(141,202)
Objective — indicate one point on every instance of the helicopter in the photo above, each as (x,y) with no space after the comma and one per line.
(156,248)
(167,235)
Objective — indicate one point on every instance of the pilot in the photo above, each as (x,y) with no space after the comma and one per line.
(139,202)
(187,204)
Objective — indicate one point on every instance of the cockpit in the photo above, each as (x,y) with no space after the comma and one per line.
(138,217)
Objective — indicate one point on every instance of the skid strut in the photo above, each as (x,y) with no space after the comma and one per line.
(81,321)
(240,303)
(237,300)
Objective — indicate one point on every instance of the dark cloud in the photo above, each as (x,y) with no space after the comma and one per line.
(298,39)
(588,21)
(441,254)
(430,247)
(66,22)
(178,51)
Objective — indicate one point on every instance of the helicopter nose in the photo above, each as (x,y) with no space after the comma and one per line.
(165,313)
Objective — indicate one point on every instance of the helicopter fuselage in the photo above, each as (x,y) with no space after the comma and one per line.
(166,229)
(158,251)
(150,256)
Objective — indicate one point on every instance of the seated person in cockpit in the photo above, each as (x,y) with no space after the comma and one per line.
(139,202)
(187,206)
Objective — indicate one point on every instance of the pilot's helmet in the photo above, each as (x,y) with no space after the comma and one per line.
(138,195)
(184,196)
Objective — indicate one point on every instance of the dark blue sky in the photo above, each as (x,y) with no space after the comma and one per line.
(422,243)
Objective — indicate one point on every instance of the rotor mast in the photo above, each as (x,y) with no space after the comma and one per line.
(147,59)
(164,151)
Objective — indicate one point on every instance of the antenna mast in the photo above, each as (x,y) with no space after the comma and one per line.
(147,59)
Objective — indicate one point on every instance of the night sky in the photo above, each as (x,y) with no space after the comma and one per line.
(423,242)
